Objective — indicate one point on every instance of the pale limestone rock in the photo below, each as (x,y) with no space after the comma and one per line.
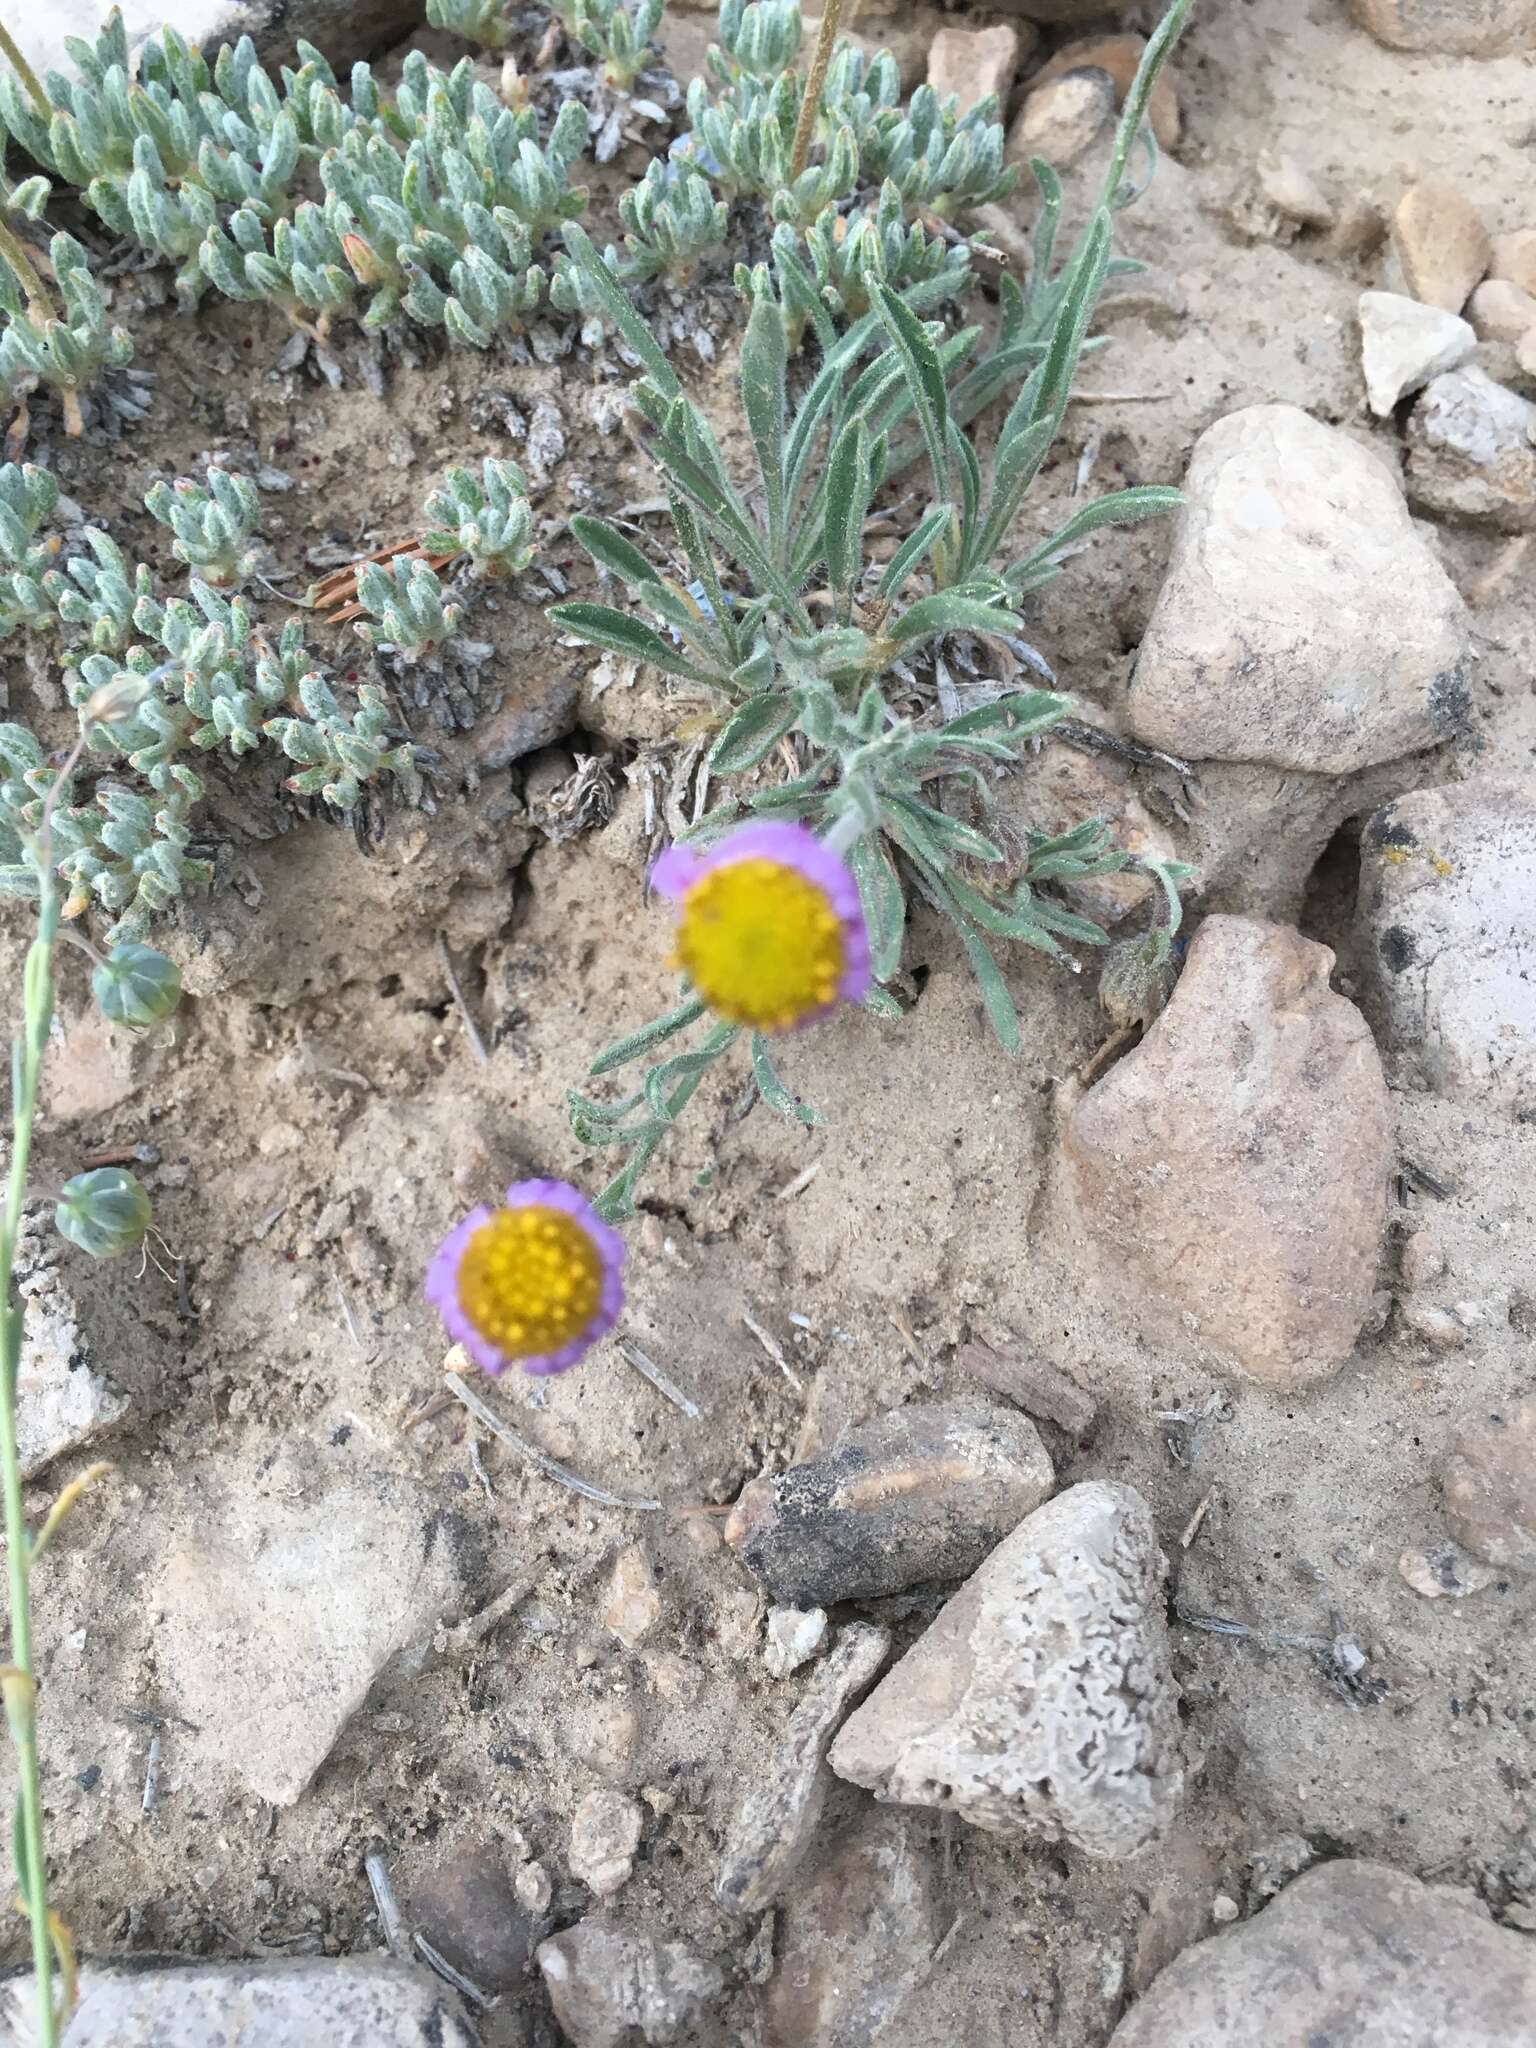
(1404,343)
(1062,119)
(1451,28)
(974,63)
(1350,1952)
(1441,243)
(1304,623)
(1447,919)
(1489,1483)
(1233,1168)
(1041,1701)
(277,1617)
(1472,452)
(319,2002)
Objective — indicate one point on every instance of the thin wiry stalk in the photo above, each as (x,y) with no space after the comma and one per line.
(24,71)
(810,105)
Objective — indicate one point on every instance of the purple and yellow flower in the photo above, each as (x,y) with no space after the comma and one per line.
(770,929)
(534,1283)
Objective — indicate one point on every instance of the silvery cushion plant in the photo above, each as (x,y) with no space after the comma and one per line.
(28,495)
(212,526)
(188,675)
(65,349)
(617,31)
(430,204)
(485,22)
(826,665)
(338,753)
(408,610)
(487,518)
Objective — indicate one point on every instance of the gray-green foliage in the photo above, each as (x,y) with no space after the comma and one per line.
(407,607)
(487,518)
(442,230)
(338,753)
(478,21)
(909,795)
(212,524)
(893,162)
(185,675)
(28,495)
(432,202)
(617,31)
(64,349)
(671,219)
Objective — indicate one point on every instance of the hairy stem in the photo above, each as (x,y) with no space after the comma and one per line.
(24,71)
(810,104)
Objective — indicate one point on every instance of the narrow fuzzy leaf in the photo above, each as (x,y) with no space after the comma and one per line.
(773,1091)
(884,901)
(925,379)
(752,731)
(949,612)
(601,626)
(610,550)
(764,360)
(1119,508)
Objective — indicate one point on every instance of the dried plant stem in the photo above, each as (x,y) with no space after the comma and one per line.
(810,104)
(13,249)
(23,70)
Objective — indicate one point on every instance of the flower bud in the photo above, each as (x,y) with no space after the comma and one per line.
(136,986)
(117,699)
(105,1213)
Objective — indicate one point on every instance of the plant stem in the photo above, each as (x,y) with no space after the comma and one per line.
(19,1681)
(810,104)
(24,71)
(13,249)
(20,1690)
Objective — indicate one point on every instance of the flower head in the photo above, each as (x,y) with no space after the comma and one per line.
(770,929)
(534,1283)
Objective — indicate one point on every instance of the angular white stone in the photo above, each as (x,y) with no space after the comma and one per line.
(1403,344)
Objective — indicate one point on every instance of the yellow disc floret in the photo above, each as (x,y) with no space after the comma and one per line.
(760,943)
(530,1280)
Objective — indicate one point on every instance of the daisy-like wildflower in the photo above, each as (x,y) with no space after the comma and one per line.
(770,929)
(534,1283)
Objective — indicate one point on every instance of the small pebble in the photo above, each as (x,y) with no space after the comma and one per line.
(633,1603)
(1062,120)
(533,1887)
(1293,192)
(1441,243)
(1224,1910)
(793,1635)
(1403,343)
(1514,259)
(1444,1570)
(1120,55)
(605,1833)
(1489,1483)
(1501,311)
(974,63)
(772,1833)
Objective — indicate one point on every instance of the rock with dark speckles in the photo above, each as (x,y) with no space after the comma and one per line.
(1447,912)
(920,1494)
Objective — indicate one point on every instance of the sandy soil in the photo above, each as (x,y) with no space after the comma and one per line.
(321,1118)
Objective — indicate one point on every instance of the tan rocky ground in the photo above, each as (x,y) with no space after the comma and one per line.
(320,1118)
